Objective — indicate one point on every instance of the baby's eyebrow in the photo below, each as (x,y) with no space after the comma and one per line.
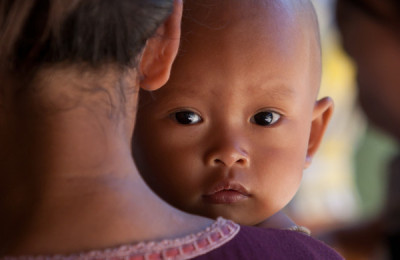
(279,91)
(183,90)
(176,91)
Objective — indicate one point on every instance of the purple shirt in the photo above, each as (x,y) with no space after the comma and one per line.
(224,239)
(258,243)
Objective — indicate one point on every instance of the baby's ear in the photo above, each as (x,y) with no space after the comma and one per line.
(322,113)
(160,51)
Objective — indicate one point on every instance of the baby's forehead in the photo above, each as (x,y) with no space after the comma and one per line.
(246,24)
(247,33)
(210,17)
(213,13)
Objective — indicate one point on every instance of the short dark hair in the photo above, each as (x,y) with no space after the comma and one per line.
(95,32)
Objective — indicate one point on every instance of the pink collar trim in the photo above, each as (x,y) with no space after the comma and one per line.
(214,236)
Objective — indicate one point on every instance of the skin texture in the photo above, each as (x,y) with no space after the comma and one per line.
(377,59)
(225,164)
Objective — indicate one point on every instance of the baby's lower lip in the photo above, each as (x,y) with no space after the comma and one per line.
(225,197)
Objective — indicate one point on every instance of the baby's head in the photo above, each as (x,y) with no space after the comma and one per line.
(238,121)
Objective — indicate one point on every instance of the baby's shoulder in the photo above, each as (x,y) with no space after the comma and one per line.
(265,243)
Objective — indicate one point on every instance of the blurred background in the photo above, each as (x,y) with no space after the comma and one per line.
(346,182)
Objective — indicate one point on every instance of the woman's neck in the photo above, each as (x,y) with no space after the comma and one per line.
(86,190)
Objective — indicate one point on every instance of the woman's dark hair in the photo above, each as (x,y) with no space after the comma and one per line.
(95,32)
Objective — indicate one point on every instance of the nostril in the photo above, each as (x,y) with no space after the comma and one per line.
(227,157)
(241,161)
(219,161)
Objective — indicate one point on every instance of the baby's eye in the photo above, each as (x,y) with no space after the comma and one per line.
(266,118)
(186,117)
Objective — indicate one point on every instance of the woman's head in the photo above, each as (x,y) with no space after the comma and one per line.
(98,44)
(62,65)
(95,32)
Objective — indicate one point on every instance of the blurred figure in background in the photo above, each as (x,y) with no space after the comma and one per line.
(370,31)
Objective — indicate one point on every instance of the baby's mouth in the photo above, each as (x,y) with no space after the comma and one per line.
(226,193)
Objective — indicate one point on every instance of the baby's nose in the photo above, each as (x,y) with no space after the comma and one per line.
(231,160)
(228,155)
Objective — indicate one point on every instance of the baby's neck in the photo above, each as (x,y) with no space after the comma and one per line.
(278,220)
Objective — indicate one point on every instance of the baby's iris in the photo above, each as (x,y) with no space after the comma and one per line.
(186,117)
(266,118)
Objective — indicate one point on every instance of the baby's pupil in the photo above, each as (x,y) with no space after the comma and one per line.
(263,118)
(185,117)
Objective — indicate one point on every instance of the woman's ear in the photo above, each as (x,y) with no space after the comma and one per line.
(322,113)
(160,51)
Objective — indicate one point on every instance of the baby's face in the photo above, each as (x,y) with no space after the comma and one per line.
(228,135)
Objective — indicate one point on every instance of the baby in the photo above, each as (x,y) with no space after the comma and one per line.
(238,121)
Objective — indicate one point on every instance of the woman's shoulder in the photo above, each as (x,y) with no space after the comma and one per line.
(268,243)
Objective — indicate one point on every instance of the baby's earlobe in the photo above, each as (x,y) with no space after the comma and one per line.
(321,115)
(308,161)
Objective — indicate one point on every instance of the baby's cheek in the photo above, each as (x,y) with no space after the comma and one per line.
(181,174)
(278,176)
